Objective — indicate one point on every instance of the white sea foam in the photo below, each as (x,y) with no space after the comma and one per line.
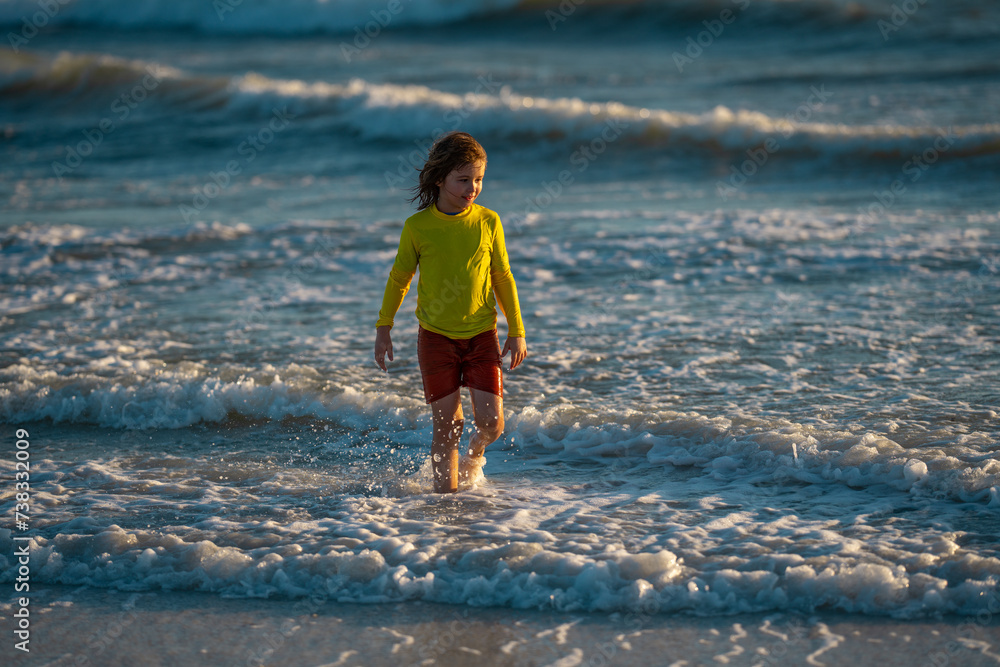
(651,547)
(147,395)
(400,112)
(378,110)
(577,400)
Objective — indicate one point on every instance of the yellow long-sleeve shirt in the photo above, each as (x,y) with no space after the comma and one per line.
(463,262)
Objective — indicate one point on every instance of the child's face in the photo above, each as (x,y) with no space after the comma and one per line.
(461,187)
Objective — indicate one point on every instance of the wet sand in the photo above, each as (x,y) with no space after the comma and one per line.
(85,626)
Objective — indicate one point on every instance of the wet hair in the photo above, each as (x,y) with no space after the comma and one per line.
(452,151)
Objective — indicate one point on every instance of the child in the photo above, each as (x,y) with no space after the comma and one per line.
(460,249)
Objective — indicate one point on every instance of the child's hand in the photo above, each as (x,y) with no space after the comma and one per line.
(383,346)
(518,351)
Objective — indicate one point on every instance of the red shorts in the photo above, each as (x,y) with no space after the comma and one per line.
(447,363)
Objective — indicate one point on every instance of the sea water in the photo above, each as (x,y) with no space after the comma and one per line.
(757,248)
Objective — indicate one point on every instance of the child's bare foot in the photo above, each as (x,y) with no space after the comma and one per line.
(470,469)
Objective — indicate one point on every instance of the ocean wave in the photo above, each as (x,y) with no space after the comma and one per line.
(626,538)
(111,390)
(383,561)
(380,111)
(400,112)
(33,237)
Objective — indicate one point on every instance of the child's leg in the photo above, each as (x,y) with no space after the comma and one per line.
(448,422)
(487,411)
